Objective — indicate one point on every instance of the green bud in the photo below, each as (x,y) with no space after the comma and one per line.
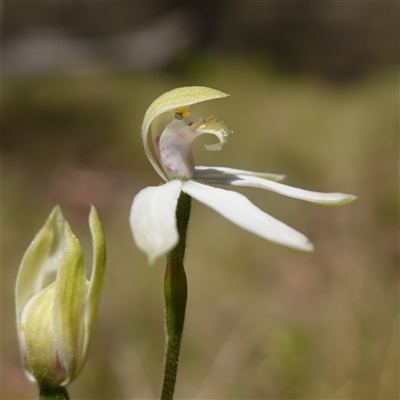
(56,305)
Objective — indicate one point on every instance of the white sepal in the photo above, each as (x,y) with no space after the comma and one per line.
(239,210)
(325,199)
(153,219)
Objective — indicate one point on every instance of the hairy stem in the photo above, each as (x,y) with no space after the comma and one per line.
(175,292)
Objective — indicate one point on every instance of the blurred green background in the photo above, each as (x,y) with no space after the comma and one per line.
(314,95)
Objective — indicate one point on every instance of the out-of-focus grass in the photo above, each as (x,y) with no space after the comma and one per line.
(263,321)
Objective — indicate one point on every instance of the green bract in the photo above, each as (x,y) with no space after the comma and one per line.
(56,305)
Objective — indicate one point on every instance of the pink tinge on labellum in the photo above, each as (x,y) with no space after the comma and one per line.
(174,145)
(176,149)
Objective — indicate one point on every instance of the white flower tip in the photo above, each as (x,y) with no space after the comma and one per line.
(338,199)
(153,255)
(151,259)
(157,250)
(301,243)
(350,198)
(153,250)
(308,246)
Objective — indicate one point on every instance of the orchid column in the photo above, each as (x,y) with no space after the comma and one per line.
(160,215)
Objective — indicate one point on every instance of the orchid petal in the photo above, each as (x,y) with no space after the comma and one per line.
(153,220)
(166,103)
(326,199)
(239,210)
(210,174)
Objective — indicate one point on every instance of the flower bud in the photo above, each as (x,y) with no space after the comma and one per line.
(56,305)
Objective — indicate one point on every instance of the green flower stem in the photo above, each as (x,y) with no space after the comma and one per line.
(175,292)
(53,393)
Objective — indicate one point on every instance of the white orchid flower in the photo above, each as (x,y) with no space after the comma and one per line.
(168,133)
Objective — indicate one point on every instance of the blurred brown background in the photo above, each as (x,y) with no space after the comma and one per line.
(314,94)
